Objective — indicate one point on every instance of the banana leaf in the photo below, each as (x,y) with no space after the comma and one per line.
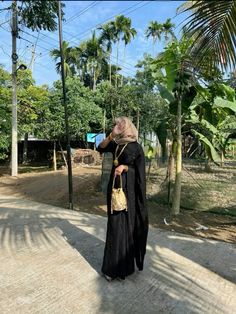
(165,93)
(214,155)
(222,103)
(161,133)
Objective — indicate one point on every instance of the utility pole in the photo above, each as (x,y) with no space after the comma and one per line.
(31,64)
(66,110)
(26,135)
(14,145)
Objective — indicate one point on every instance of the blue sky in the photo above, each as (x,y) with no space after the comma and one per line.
(82,17)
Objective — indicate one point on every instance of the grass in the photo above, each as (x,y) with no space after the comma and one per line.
(213,192)
(29,169)
(25,169)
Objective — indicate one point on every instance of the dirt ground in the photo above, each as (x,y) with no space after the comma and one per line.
(51,188)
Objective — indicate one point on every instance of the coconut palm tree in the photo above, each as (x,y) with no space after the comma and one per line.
(212,25)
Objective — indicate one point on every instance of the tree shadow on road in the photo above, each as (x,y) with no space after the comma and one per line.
(175,277)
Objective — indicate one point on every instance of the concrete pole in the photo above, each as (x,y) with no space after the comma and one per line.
(14,148)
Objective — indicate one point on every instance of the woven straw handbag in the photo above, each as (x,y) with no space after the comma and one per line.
(118,198)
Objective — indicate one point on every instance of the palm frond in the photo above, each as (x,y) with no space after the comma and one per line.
(212,25)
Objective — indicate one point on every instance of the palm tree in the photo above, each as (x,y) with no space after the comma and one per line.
(155,31)
(69,58)
(95,56)
(93,59)
(212,25)
(117,28)
(107,38)
(128,33)
(80,60)
(122,26)
(167,30)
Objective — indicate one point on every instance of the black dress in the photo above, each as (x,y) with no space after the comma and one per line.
(127,231)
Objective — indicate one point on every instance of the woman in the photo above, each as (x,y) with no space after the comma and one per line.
(126,230)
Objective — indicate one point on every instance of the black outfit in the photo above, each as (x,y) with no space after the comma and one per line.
(127,230)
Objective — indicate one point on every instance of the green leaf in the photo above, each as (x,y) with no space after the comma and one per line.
(227,91)
(150,152)
(214,155)
(161,132)
(165,93)
(222,103)
(188,98)
(212,26)
(171,70)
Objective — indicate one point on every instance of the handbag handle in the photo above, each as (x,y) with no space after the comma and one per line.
(113,184)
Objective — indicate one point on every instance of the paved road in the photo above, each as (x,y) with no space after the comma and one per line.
(50,263)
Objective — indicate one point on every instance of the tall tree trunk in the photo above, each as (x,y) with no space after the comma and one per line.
(94,79)
(110,69)
(117,56)
(153,50)
(207,165)
(171,161)
(177,187)
(122,78)
(63,155)
(54,156)
(138,120)
(104,121)
(170,168)
(14,146)
(25,148)
(222,159)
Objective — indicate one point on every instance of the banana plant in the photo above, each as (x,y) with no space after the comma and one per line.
(214,116)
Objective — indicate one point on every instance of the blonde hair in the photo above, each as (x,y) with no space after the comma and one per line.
(129,132)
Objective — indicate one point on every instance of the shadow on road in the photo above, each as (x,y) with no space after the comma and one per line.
(170,282)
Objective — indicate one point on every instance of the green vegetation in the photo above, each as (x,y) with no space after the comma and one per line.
(179,93)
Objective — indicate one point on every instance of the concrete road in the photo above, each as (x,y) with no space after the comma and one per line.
(50,263)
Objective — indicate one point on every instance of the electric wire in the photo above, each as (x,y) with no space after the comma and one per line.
(77,37)
(128,11)
(108,19)
(72,18)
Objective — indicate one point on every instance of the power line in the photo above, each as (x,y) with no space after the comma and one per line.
(106,20)
(36,39)
(72,18)
(5,52)
(22,54)
(5,9)
(5,22)
(113,57)
(6,30)
(128,11)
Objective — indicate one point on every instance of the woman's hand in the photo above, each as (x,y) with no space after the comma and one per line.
(120,169)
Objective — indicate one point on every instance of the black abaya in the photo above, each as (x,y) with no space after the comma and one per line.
(127,231)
